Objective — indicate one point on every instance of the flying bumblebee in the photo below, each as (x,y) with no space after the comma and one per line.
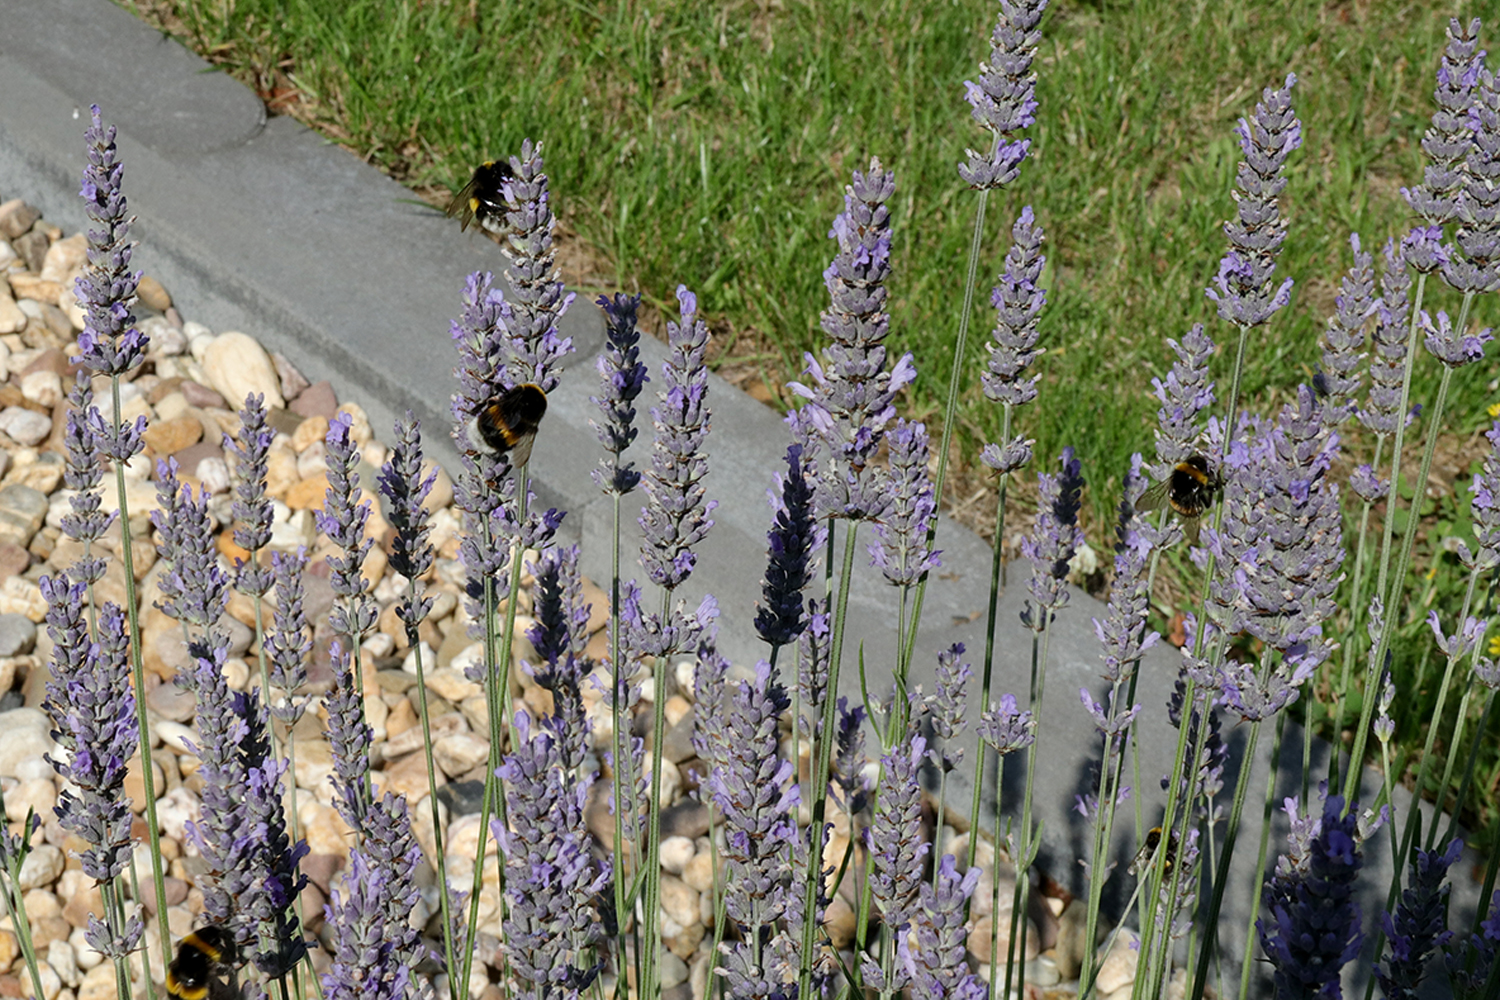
(482,200)
(507,424)
(204,966)
(1146,856)
(1190,490)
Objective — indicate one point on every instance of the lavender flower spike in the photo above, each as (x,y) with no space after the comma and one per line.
(1447,141)
(366,963)
(1245,293)
(1005,727)
(1454,348)
(1484,507)
(1017,301)
(1419,924)
(343,519)
(252,508)
(1478,208)
(675,518)
(792,540)
(935,959)
(83,470)
(1053,541)
(621,378)
(194,588)
(401,482)
(901,552)
(539,298)
(109,344)
(1004,100)
(898,851)
(1345,336)
(1388,358)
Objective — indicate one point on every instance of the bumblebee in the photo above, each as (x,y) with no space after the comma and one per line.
(507,424)
(204,966)
(1190,490)
(1147,854)
(482,200)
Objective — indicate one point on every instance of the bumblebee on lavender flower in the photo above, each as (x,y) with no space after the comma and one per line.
(506,425)
(204,966)
(482,200)
(1190,489)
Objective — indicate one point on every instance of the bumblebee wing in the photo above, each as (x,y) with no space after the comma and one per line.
(1154,498)
(462,205)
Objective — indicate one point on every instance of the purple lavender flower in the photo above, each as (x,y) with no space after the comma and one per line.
(935,961)
(109,344)
(949,705)
(480,335)
(92,707)
(852,397)
(1424,250)
(1454,348)
(847,771)
(551,874)
(1053,541)
(367,964)
(1484,508)
(1478,205)
(83,469)
(1123,632)
(1017,301)
(1245,295)
(1388,360)
(1204,780)
(814,647)
(621,378)
(1419,923)
(252,508)
(388,839)
(349,738)
(1470,959)
(792,540)
(901,552)
(1311,926)
(194,588)
(559,637)
(1345,336)
(1004,100)
(538,298)
(343,519)
(288,643)
(1187,392)
(1005,728)
(1448,140)
(222,833)
(898,851)
(675,518)
(711,692)
(662,635)
(401,482)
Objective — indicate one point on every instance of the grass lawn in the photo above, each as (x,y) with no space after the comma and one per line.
(709,144)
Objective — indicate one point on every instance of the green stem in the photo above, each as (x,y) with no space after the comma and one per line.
(1040,646)
(1356,609)
(651,925)
(1260,868)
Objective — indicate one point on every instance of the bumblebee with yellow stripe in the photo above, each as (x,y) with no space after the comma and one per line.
(1146,856)
(482,200)
(1190,489)
(204,966)
(507,424)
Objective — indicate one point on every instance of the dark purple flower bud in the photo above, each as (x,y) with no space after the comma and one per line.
(621,378)
(1453,348)
(551,924)
(1311,923)
(934,956)
(1187,392)
(343,519)
(898,851)
(402,484)
(792,540)
(1423,249)
(1004,98)
(92,708)
(1388,360)
(288,644)
(109,344)
(1448,140)
(276,944)
(675,518)
(1017,301)
(814,647)
(1345,335)
(194,588)
(1203,780)
(1419,924)
(1471,959)
(901,552)
(539,297)
(252,508)
(848,766)
(1053,541)
(1012,457)
(949,705)
(1005,727)
(1247,295)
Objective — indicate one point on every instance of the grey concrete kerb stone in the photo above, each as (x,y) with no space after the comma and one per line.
(260,225)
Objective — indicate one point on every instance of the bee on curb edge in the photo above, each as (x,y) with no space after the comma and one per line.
(481,202)
(203,968)
(507,424)
(1190,490)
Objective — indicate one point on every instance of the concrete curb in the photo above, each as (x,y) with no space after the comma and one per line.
(260,225)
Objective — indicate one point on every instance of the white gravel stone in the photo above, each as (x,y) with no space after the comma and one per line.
(676,852)
(25,426)
(44,388)
(236,366)
(42,867)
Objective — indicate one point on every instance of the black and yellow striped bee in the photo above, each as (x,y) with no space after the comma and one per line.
(482,200)
(204,966)
(1146,856)
(1190,490)
(507,424)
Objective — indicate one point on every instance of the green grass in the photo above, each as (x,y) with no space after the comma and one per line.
(709,144)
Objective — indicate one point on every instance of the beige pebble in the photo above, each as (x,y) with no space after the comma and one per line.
(34,286)
(38,795)
(699,872)
(676,852)
(1117,969)
(236,366)
(41,867)
(308,433)
(460,753)
(12,319)
(152,294)
(63,257)
(44,388)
